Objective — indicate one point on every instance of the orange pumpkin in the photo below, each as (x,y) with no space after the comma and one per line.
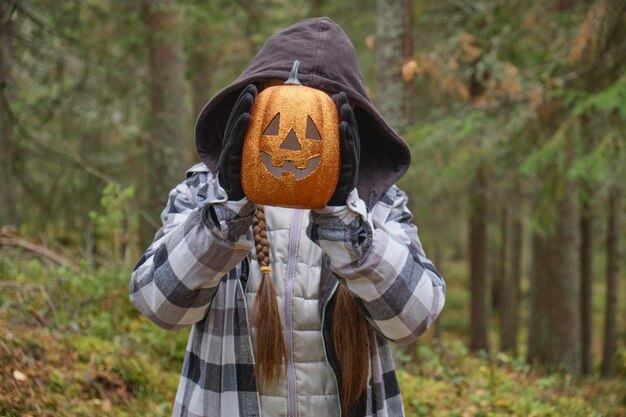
(291,149)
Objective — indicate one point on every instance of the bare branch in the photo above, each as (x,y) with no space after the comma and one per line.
(9,237)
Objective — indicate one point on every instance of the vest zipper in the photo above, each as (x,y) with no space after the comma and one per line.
(294,235)
(324,343)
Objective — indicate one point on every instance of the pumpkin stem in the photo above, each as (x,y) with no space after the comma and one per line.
(293,77)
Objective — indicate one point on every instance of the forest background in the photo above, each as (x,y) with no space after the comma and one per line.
(516,115)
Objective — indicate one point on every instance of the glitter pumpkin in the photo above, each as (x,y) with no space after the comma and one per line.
(291,149)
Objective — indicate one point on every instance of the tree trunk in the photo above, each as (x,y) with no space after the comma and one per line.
(557,339)
(499,261)
(565,285)
(478,262)
(8,180)
(390,35)
(590,42)
(201,85)
(554,337)
(202,65)
(509,299)
(167,140)
(407,54)
(538,323)
(256,15)
(316,7)
(612,275)
(595,32)
(586,281)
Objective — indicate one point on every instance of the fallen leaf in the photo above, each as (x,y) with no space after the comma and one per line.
(19,376)
(107,405)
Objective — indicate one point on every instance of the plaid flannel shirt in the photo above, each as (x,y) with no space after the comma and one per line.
(192,274)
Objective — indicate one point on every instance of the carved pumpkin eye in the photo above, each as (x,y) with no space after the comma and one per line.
(311,130)
(272,128)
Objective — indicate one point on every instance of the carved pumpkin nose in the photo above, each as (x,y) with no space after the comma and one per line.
(291,142)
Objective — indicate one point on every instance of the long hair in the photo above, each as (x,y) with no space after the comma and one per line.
(351,336)
(270,350)
(350,332)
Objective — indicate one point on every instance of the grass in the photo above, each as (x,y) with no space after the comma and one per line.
(452,382)
(71,344)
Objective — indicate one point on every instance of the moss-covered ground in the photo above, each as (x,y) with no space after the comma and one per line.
(71,344)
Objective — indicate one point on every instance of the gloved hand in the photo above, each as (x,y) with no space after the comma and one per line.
(350,146)
(229,165)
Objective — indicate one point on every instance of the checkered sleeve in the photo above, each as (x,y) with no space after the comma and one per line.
(202,238)
(378,256)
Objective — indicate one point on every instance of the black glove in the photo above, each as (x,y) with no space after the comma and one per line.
(350,146)
(229,166)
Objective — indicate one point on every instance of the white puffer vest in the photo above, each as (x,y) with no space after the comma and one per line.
(309,387)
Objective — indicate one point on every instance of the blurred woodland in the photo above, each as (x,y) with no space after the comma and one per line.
(515,111)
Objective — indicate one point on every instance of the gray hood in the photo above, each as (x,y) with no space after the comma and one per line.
(327,62)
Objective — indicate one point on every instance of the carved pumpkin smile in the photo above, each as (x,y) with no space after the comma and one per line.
(289,167)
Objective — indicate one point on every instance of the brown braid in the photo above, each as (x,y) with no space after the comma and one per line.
(351,342)
(270,349)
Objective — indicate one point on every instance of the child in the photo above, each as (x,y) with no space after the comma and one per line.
(291,310)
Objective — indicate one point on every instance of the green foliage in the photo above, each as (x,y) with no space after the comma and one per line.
(96,355)
(484,70)
(115,224)
(446,150)
(114,202)
(595,167)
(79,105)
(601,157)
(610,100)
(453,382)
(551,155)
(83,347)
